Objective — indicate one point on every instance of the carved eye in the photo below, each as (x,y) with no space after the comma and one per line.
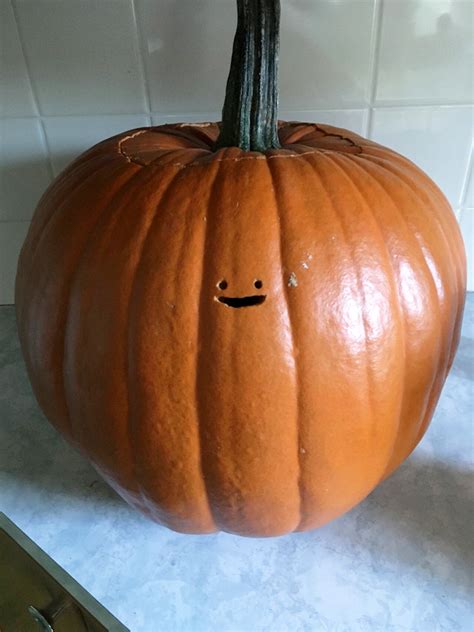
(258,284)
(222,285)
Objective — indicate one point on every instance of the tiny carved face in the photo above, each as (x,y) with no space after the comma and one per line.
(241,301)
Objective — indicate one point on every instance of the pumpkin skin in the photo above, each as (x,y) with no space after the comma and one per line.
(265,419)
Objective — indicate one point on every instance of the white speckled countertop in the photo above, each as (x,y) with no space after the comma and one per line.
(401,561)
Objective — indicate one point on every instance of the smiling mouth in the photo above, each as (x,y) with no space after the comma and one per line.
(244,301)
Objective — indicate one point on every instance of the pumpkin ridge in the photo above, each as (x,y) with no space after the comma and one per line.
(202,297)
(360,291)
(83,182)
(293,355)
(456,253)
(30,251)
(130,183)
(395,289)
(426,201)
(443,362)
(128,380)
(35,234)
(397,164)
(61,418)
(429,275)
(455,248)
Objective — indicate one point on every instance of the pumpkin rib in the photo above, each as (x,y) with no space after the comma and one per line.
(443,361)
(200,332)
(426,202)
(40,226)
(395,290)
(360,293)
(38,302)
(109,210)
(455,250)
(134,277)
(403,165)
(292,329)
(168,476)
(432,389)
(394,205)
(429,275)
(443,230)
(55,200)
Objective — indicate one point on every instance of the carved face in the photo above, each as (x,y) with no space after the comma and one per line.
(241,301)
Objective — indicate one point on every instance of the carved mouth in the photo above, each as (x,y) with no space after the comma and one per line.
(244,301)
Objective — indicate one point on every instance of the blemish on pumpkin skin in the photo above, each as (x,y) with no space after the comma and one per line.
(305,264)
(292,281)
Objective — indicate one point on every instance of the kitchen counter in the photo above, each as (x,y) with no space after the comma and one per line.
(400,561)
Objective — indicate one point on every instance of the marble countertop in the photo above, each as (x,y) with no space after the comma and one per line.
(401,561)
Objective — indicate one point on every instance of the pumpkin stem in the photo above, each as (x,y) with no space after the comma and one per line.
(250,114)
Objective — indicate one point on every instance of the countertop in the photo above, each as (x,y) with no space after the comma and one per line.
(400,561)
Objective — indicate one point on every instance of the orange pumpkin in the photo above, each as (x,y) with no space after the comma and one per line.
(239,339)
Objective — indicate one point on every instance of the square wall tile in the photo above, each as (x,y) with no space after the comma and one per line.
(83,55)
(437,139)
(354,120)
(12,236)
(325,58)
(187,47)
(69,136)
(467,229)
(426,51)
(24,168)
(16,98)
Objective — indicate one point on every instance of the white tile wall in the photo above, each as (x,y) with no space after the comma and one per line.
(16,99)
(12,236)
(75,71)
(326,53)
(82,55)
(24,167)
(423,51)
(438,139)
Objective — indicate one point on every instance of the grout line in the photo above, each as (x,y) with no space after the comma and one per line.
(183,115)
(375,61)
(49,159)
(33,89)
(34,94)
(49,155)
(466,182)
(141,59)
(422,103)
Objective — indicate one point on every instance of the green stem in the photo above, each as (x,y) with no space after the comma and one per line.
(250,114)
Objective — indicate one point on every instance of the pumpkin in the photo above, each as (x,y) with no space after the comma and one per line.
(245,326)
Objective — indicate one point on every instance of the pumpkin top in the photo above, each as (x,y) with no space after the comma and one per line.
(188,144)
